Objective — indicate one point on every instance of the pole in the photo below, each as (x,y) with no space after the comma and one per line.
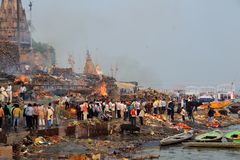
(30,25)
(18,31)
(18,23)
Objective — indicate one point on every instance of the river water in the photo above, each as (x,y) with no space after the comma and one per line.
(180,153)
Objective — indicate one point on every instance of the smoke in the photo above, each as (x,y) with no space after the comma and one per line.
(153,42)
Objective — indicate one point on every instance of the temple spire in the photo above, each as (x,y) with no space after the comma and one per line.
(6,4)
(89,67)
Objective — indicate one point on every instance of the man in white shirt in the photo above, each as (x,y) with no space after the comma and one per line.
(112,106)
(163,105)
(138,104)
(23,91)
(29,116)
(9,92)
(3,94)
(118,106)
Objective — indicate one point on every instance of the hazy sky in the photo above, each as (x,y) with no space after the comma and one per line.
(160,43)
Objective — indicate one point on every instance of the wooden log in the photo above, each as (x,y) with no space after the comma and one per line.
(212,144)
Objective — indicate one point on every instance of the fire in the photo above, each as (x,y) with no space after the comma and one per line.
(103,90)
(22,79)
(16,94)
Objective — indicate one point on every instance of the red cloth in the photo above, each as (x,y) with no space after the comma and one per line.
(133,113)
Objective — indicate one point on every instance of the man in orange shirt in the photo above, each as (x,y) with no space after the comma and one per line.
(85,110)
(1,117)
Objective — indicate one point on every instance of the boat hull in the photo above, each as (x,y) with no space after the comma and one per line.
(176,138)
(233,136)
(214,136)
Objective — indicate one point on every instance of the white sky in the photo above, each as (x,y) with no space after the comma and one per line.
(160,43)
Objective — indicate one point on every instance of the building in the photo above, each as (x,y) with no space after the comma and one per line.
(9,25)
(9,34)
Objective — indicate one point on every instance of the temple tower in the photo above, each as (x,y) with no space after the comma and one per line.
(9,25)
(15,38)
(89,67)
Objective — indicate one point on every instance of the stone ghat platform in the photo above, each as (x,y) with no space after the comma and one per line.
(83,130)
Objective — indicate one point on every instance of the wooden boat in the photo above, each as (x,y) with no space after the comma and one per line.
(213,136)
(176,138)
(234,109)
(233,136)
(220,105)
(212,144)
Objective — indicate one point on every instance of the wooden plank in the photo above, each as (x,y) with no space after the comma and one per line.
(212,144)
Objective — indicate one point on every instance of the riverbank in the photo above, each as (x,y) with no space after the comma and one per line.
(94,141)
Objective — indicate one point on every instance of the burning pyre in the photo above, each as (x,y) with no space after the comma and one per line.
(22,79)
(101,91)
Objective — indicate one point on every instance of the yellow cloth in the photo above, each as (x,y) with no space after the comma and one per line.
(49,114)
(17,113)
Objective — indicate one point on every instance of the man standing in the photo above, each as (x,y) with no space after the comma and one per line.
(41,115)
(16,116)
(155,106)
(171,111)
(189,109)
(118,106)
(78,109)
(211,113)
(133,115)
(29,116)
(23,91)
(164,106)
(7,122)
(49,116)
(1,117)
(2,94)
(85,111)
(141,115)
(9,92)
(138,105)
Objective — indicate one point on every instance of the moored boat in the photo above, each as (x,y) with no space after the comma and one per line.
(220,105)
(233,136)
(212,144)
(213,136)
(234,109)
(176,138)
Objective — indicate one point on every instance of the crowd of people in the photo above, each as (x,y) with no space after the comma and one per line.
(6,94)
(34,116)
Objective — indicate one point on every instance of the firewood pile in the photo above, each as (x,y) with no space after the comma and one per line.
(42,93)
(151,94)
(65,72)
(46,80)
(146,94)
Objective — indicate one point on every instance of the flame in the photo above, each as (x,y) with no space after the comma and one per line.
(16,94)
(22,79)
(103,90)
